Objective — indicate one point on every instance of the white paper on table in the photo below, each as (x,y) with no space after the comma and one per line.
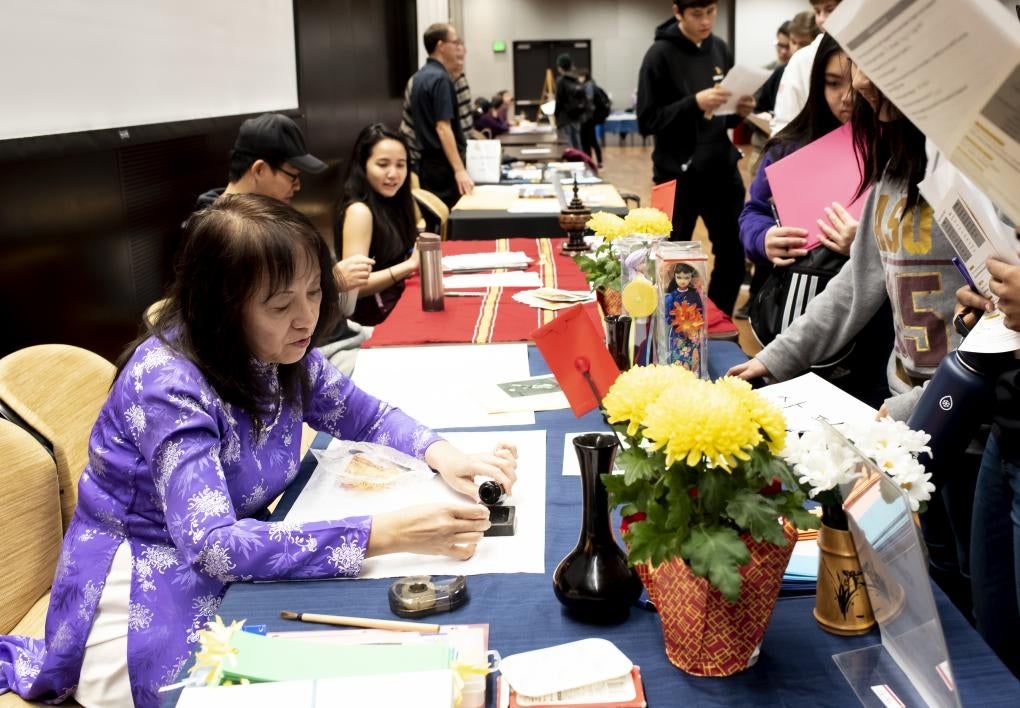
(991,336)
(536,151)
(740,81)
(496,400)
(953,68)
(524,552)
(486,260)
(529,205)
(806,398)
(571,467)
(435,384)
(552,298)
(970,223)
(512,279)
(422,689)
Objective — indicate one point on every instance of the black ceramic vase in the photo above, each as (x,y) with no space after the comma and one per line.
(593,581)
(618,340)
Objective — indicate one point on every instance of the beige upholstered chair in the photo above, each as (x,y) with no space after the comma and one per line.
(57,391)
(433,211)
(30,534)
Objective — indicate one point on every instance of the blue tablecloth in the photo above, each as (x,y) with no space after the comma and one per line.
(795,667)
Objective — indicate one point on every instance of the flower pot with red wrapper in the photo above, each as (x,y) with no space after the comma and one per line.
(711,509)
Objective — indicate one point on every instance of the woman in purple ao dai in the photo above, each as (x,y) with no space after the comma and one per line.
(200,431)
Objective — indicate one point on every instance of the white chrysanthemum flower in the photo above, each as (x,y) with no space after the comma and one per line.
(915,481)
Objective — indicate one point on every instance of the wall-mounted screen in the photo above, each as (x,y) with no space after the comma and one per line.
(73,66)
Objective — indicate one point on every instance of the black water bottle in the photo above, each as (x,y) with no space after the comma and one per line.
(956,401)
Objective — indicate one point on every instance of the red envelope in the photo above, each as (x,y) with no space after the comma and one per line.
(663,196)
(572,344)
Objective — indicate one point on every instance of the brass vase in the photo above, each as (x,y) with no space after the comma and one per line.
(842,605)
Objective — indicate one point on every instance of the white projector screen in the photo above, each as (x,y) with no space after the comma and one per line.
(74,65)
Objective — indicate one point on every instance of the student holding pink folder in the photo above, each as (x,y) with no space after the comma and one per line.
(796,276)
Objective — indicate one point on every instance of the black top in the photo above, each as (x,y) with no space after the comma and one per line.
(387,250)
(434,98)
(765,99)
(673,71)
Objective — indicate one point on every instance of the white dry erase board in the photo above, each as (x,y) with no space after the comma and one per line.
(73,66)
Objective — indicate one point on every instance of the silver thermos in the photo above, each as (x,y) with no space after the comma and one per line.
(431,260)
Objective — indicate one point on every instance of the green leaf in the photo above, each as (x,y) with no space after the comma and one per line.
(758,515)
(803,519)
(637,465)
(680,507)
(777,467)
(716,552)
(715,488)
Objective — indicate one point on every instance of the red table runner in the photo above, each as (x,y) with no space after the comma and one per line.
(494,316)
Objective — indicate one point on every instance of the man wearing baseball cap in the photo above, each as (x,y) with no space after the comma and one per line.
(268,158)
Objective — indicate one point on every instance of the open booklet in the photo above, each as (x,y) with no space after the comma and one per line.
(953,68)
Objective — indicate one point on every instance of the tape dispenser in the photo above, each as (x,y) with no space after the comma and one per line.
(417,596)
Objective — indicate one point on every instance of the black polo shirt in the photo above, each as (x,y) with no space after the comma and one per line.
(434,98)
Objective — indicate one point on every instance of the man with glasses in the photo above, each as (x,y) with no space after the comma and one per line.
(268,158)
(437,126)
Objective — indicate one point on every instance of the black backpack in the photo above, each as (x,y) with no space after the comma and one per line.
(603,105)
(577,106)
(859,368)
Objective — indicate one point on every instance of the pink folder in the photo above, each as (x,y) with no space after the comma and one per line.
(812,178)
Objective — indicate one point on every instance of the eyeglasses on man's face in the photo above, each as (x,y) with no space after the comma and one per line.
(294,176)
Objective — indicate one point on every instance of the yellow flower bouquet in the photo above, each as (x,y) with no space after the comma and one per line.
(702,473)
(710,509)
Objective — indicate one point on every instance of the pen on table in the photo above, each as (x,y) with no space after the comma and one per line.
(363,622)
(455,293)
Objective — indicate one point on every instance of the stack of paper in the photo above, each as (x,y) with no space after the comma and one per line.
(489,260)
(553,298)
(589,672)
(801,576)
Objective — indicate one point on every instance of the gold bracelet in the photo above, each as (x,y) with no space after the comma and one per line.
(390,270)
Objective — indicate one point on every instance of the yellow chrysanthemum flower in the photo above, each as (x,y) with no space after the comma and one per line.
(608,226)
(759,410)
(698,422)
(634,390)
(647,220)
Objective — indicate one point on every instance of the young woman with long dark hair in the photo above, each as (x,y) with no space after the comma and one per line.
(377,220)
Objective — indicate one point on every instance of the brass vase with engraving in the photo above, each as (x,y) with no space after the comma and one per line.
(842,605)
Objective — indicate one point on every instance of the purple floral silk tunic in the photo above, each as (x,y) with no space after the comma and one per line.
(179,474)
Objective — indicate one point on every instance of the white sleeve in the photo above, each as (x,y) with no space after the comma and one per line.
(791,96)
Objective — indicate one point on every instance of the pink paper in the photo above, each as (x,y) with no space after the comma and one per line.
(807,181)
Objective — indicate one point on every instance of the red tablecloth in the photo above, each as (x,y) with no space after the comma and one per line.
(495,316)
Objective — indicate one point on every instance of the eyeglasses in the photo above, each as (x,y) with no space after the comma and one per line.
(294,176)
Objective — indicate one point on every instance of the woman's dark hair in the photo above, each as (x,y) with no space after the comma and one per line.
(230,251)
(392,217)
(888,149)
(815,119)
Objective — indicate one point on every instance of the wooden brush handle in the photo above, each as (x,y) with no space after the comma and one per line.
(364,622)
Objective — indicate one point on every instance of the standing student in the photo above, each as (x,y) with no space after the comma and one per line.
(995,531)
(904,260)
(793,87)
(573,106)
(201,430)
(377,220)
(775,249)
(677,94)
(437,119)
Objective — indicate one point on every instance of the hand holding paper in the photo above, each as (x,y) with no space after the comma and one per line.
(741,82)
